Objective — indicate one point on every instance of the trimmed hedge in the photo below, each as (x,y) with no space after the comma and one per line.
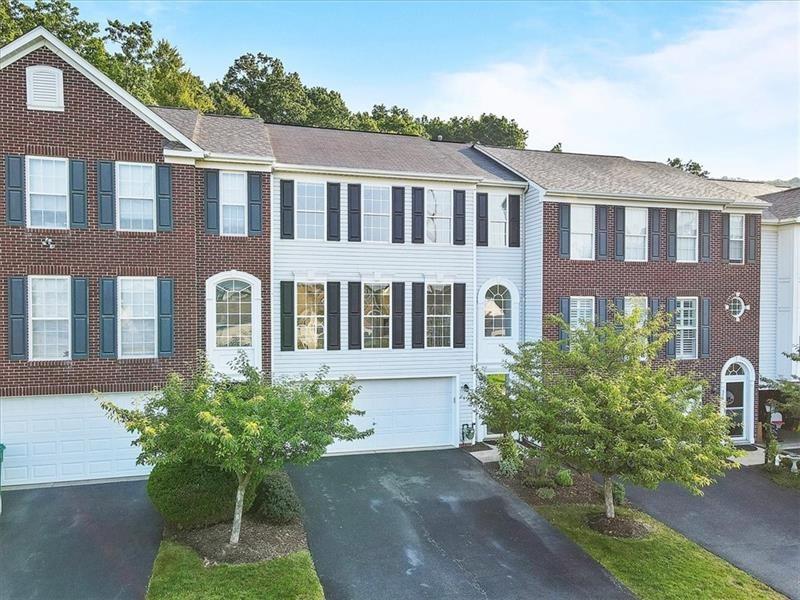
(276,501)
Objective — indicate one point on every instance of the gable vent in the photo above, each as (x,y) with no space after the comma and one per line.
(45,88)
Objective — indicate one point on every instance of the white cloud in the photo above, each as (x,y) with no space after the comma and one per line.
(727,96)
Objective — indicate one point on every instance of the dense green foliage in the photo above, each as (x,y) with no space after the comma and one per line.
(563,478)
(276,501)
(787,399)
(191,494)
(690,166)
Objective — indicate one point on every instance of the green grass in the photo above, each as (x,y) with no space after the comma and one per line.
(664,565)
(178,574)
(782,476)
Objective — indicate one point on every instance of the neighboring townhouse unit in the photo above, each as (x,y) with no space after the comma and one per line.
(129,239)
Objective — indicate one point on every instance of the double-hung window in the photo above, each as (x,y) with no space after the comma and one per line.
(438,315)
(636,303)
(581,235)
(498,220)
(377,314)
(686,328)
(636,234)
(310,211)
(736,239)
(310,316)
(48,187)
(439,216)
(376,213)
(49,300)
(581,311)
(137,317)
(136,196)
(687,235)
(233,203)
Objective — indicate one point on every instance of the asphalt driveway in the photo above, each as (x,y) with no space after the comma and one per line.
(744,518)
(79,542)
(435,525)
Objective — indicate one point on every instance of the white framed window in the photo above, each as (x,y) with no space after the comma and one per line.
(377,310)
(636,234)
(687,235)
(49,325)
(497,312)
(639,303)
(234,314)
(736,239)
(47,190)
(233,203)
(581,232)
(685,328)
(376,213)
(136,196)
(45,88)
(498,220)
(581,311)
(310,211)
(137,317)
(438,315)
(310,316)
(439,216)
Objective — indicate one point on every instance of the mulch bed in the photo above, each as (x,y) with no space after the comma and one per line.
(258,541)
(619,526)
(583,491)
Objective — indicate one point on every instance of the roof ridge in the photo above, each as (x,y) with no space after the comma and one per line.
(562,152)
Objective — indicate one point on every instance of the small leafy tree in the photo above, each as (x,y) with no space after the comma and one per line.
(249,427)
(787,399)
(690,166)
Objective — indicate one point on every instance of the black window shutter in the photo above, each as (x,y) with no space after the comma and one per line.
(563,230)
(354,315)
(619,232)
(255,204)
(287,315)
(513,220)
(17,319)
(459,315)
(459,217)
(353,212)
(287,214)
(563,307)
(15,190)
(398,314)
(417,315)
(212,201)
(80,317)
(601,232)
(166,321)
(418,215)
(602,311)
(655,233)
(334,212)
(705,327)
(751,223)
(671,307)
(672,234)
(105,195)
(482,219)
(334,308)
(164,197)
(726,236)
(108,317)
(705,236)
(619,304)
(398,215)
(654,308)
(77,194)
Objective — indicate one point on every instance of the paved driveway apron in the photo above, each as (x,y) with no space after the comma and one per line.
(434,525)
(82,542)
(744,518)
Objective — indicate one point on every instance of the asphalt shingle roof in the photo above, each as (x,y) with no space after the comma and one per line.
(751,188)
(785,205)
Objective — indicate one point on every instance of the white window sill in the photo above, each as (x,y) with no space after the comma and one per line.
(59,108)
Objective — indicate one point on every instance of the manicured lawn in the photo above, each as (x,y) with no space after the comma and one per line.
(664,565)
(178,573)
(783,477)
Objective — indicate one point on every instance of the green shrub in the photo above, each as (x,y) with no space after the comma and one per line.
(564,478)
(546,493)
(510,456)
(276,501)
(618,492)
(192,495)
(531,481)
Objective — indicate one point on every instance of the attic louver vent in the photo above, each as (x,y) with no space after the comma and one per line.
(45,88)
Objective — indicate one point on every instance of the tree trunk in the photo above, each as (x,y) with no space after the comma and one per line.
(237,511)
(608,492)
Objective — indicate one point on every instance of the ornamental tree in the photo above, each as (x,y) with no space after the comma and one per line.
(601,402)
(787,400)
(249,426)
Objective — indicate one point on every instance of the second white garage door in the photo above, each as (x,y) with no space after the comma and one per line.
(405,414)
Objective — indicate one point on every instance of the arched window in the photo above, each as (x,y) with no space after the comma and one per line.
(234,314)
(497,312)
(735,369)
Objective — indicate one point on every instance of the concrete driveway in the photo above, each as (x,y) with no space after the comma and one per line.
(744,518)
(434,525)
(79,542)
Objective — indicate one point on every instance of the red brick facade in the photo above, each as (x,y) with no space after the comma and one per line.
(95,127)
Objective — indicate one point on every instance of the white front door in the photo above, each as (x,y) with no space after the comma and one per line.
(736,401)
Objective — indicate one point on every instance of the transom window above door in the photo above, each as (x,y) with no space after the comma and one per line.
(376,213)
(234,314)
(233,203)
(47,189)
(497,312)
(310,211)
(439,216)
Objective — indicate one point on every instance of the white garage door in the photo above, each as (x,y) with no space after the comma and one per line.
(405,414)
(64,438)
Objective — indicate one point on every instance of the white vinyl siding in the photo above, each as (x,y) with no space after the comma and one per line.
(137,317)
(310,216)
(498,220)
(439,216)
(636,234)
(45,88)
(581,311)
(581,232)
(47,192)
(233,203)
(136,196)
(736,239)
(686,328)
(376,314)
(376,216)
(438,315)
(310,316)
(687,235)
(49,318)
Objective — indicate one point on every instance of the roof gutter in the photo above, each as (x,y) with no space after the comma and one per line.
(378,173)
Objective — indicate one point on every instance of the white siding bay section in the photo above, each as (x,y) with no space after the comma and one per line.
(768,325)
(532,245)
(788,297)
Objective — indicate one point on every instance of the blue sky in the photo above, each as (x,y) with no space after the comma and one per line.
(714,81)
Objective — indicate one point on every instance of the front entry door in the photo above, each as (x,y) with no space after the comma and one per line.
(734,408)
